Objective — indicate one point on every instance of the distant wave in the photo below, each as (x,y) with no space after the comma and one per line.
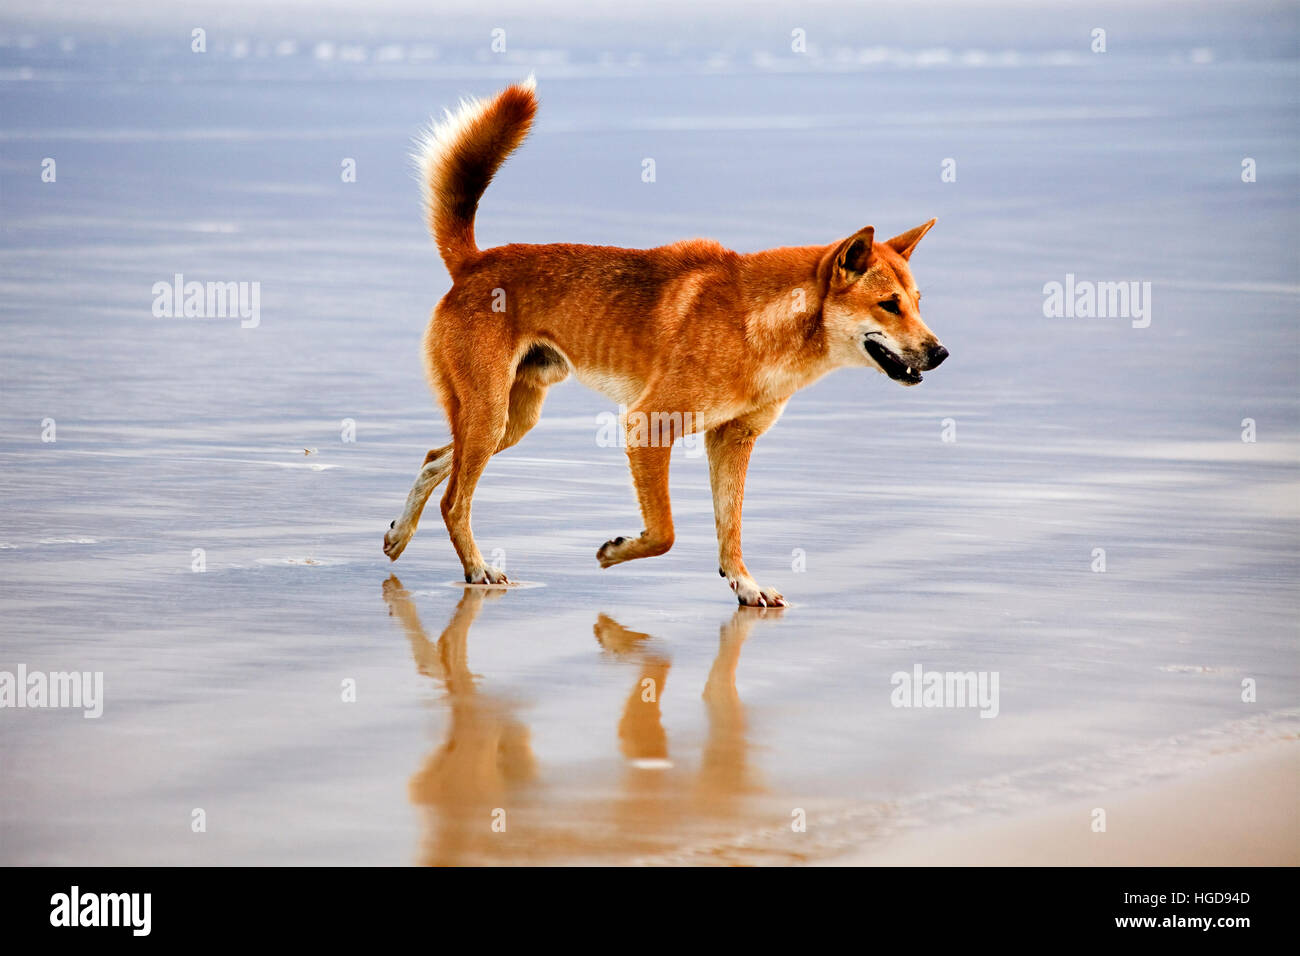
(53,58)
(651,124)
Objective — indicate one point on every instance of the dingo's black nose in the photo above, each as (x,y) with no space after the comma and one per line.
(936,355)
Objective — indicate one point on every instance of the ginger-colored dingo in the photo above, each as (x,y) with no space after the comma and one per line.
(691,337)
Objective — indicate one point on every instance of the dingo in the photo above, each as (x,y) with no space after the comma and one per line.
(689,332)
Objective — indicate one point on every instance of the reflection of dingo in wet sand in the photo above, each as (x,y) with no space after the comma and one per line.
(658,795)
(487,757)
(640,733)
(486,762)
(724,769)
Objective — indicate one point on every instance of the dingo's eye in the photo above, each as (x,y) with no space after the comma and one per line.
(889,305)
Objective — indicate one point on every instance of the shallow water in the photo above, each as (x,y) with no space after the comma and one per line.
(224,690)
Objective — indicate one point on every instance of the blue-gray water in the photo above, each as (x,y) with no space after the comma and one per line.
(223,688)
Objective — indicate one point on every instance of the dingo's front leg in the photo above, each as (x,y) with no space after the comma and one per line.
(729,446)
(650,475)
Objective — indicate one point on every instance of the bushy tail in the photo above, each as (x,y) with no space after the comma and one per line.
(457,158)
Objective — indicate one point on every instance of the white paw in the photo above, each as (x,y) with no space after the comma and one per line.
(395,540)
(750,594)
(486,575)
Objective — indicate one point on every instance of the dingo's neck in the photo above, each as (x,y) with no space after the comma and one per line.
(782,291)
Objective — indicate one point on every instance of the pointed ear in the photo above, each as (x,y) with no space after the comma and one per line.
(905,242)
(853,254)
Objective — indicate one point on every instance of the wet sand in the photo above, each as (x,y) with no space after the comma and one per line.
(1241,810)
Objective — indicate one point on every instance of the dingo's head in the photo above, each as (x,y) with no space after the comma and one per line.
(872,308)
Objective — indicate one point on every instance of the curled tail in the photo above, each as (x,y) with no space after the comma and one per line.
(457,158)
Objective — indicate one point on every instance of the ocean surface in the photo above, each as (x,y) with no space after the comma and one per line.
(194,507)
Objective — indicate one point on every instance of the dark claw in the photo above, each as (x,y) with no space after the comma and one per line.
(469,579)
(721,573)
(392,524)
(620,539)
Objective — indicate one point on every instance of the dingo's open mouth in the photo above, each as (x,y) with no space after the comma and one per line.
(890,364)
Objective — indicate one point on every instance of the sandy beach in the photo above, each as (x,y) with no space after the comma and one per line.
(1238,810)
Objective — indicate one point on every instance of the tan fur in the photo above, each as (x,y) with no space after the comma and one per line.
(687,329)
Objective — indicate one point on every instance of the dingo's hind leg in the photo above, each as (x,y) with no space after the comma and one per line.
(491,407)
(540,368)
(538,371)
(436,467)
